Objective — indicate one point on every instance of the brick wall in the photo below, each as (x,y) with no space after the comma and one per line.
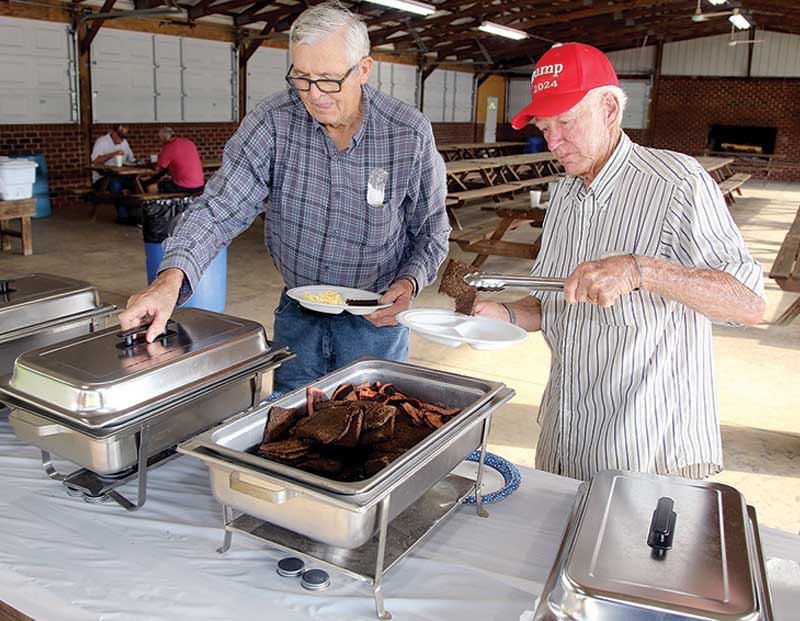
(729,101)
(61,144)
(445,133)
(210,138)
(67,157)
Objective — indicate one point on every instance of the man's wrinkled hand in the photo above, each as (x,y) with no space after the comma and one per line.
(399,295)
(493,310)
(154,305)
(601,282)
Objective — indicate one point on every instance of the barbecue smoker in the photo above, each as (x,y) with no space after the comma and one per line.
(117,406)
(361,528)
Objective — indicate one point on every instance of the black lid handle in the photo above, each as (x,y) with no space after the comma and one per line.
(129,336)
(5,285)
(662,527)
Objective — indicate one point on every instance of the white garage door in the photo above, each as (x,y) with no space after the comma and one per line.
(37,80)
(139,77)
(448,96)
(635,117)
(266,71)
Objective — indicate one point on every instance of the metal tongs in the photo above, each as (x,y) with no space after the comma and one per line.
(497,282)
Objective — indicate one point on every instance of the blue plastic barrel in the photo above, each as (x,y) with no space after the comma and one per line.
(210,292)
(534,144)
(41,191)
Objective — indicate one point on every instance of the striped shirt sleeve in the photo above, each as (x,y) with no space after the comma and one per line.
(231,201)
(700,232)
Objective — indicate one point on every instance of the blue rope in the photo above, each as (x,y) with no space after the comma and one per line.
(510,474)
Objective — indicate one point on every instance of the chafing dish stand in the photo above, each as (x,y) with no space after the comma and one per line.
(393,541)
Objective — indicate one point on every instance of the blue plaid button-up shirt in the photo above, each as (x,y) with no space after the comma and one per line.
(319,227)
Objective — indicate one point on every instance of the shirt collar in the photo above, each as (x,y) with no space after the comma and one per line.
(367,92)
(602,186)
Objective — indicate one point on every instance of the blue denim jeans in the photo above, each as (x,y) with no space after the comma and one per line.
(324,343)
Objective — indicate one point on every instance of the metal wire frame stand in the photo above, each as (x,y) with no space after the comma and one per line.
(393,541)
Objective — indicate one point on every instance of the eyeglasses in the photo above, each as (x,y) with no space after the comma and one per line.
(327,85)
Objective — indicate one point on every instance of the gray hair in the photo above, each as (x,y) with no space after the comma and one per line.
(321,21)
(166,133)
(593,97)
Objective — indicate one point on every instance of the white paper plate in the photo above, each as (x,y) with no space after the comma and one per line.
(451,329)
(347,293)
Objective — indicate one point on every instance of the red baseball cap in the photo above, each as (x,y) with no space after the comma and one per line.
(562,77)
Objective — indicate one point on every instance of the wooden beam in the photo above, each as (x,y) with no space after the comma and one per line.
(200,5)
(94,27)
(147,4)
(273,16)
(221,7)
(84,92)
(654,93)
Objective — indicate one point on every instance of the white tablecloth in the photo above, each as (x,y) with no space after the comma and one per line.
(63,559)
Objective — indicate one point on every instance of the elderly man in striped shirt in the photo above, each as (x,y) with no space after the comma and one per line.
(652,257)
(356,195)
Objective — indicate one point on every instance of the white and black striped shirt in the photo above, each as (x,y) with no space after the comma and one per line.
(632,386)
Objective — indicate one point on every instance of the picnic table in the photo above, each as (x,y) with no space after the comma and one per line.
(717,167)
(497,178)
(786,270)
(21,210)
(720,169)
(487,239)
(133,173)
(470,150)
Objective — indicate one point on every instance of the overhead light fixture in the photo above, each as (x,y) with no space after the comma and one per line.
(420,8)
(738,20)
(503,31)
(718,2)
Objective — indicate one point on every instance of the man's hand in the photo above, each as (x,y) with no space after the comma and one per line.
(155,304)
(602,282)
(493,310)
(399,295)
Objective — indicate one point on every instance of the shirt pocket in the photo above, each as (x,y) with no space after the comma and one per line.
(381,224)
(621,314)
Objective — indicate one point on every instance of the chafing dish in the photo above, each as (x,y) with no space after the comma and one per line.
(332,521)
(116,405)
(40,309)
(642,546)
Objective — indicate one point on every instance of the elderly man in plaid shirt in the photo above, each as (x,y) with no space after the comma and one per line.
(311,151)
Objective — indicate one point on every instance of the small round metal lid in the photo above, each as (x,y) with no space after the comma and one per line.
(316,580)
(290,567)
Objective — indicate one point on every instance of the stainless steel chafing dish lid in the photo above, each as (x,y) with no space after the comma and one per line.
(99,381)
(28,300)
(642,546)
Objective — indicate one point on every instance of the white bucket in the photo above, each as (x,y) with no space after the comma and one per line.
(16,179)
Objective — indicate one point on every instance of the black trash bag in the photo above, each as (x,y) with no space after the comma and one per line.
(160,217)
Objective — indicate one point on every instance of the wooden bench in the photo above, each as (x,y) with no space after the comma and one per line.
(456,200)
(21,210)
(733,184)
(143,200)
(786,270)
(537,181)
(487,239)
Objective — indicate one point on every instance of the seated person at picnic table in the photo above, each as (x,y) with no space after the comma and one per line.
(178,158)
(107,147)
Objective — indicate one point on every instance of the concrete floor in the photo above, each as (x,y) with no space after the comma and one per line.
(756,367)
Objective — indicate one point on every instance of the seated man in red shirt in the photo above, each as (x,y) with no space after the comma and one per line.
(178,158)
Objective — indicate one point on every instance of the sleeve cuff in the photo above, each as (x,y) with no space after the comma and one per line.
(191,275)
(414,283)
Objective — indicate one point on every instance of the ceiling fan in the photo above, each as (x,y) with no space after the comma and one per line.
(698,16)
(733,42)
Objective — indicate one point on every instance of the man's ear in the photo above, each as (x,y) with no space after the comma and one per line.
(365,68)
(612,110)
